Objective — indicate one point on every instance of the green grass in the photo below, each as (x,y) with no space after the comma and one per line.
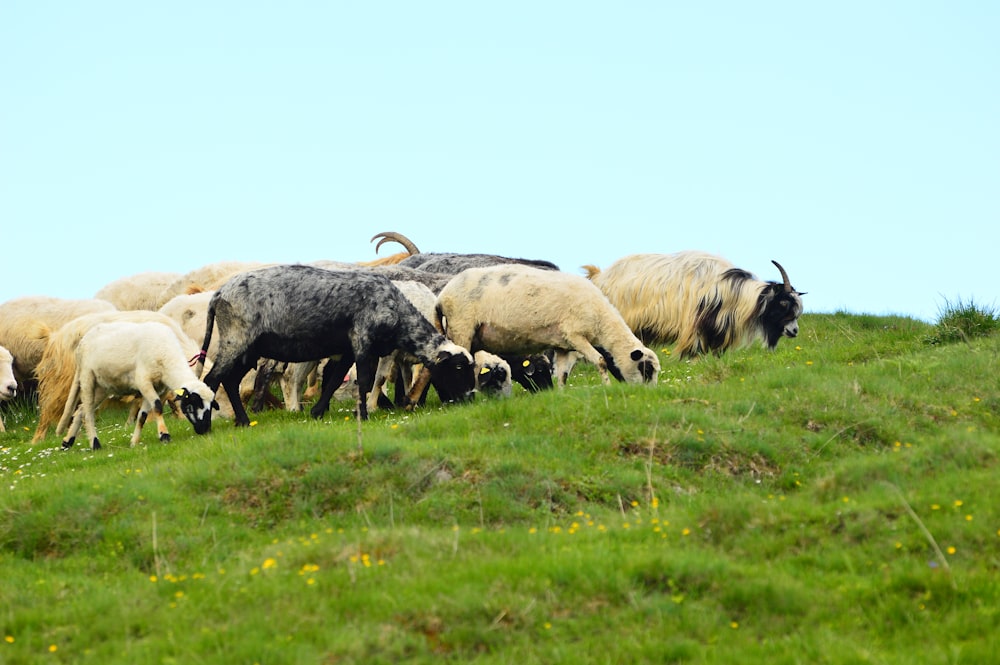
(830,502)
(963,320)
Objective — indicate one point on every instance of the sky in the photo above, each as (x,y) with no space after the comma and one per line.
(857,143)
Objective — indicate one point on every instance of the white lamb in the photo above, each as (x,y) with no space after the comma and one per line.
(8,384)
(517,309)
(128,358)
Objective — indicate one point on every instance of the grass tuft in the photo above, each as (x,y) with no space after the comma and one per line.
(961,321)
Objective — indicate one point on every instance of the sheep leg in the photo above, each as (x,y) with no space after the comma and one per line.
(90,395)
(366,378)
(291,383)
(386,365)
(151,403)
(404,379)
(563,361)
(228,375)
(418,391)
(140,420)
(333,376)
(76,420)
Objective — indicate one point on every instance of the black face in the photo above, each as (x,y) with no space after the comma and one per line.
(453,377)
(492,379)
(780,318)
(533,372)
(646,368)
(195,410)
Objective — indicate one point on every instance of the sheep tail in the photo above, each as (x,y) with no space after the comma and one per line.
(198,358)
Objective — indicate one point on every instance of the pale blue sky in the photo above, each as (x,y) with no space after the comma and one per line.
(858,143)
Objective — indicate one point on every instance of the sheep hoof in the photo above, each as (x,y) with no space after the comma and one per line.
(68,443)
(165,437)
(96,445)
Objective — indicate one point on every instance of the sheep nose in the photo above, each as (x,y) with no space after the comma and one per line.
(792,330)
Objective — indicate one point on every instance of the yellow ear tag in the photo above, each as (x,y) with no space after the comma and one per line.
(525,363)
(485,370)
(180,392)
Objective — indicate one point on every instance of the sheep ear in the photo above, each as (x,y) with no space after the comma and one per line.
(215,405)
(484,370)
(181,392)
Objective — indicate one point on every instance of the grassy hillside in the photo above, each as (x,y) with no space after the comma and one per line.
(831,502)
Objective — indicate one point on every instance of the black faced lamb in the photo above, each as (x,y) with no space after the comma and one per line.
(298,313)
(518,309)
(125,358)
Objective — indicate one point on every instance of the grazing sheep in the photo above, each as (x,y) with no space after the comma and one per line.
(298,313)
(533,372)
(141,291)
(20,320)
(57,368)
(452,263)
(520,309)
(699,300)
(8,384)
(147,359)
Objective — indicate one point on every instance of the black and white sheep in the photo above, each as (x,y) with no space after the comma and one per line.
(700,301)
(518,309)
(123,358)
(298,313)
(8,384)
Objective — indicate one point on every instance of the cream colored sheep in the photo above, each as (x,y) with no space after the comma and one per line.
(22,318)
(141,291)
(516,309)
(206,278)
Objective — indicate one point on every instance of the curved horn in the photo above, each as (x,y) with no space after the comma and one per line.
(390,236)
(784,276)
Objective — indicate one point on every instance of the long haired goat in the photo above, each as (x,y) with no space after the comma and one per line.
(700,301)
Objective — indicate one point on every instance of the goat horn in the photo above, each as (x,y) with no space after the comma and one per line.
(390,236)
(784,276)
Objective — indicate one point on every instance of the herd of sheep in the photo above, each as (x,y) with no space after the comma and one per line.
(213,339)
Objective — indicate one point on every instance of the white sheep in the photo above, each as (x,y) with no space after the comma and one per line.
(8,384)
(515,309)
(57,368)
(206,278)
(121,358)
(21,318)
(140,291)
